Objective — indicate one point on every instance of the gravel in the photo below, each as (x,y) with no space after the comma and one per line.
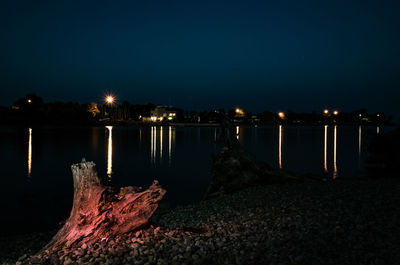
(332,222)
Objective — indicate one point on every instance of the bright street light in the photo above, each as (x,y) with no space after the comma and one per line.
(110,99)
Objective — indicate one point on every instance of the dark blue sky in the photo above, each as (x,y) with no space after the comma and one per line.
(275,55)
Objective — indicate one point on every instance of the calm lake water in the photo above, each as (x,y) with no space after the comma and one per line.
(37,181)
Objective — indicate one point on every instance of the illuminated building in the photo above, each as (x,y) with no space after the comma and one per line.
(160,114)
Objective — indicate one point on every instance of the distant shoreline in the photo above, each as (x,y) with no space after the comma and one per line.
(176,124)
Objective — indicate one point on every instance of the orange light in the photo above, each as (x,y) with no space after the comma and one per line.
(29,100)
(239,112)
(335,112)
(110,99)
(281,115)
(326,111)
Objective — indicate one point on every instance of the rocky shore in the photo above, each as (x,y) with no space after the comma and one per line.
(332,222)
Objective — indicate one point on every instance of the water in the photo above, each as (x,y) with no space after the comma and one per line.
(37,183)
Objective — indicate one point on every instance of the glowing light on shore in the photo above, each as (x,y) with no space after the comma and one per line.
(110,99)
(326,112)
(335,172)
(30,153)
(335,112)
(280,146)
(325,148)
(281,115)
(109,151)
(239,112)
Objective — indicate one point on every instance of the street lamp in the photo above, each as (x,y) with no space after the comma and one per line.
(281,115)
(110,99)
(335,112)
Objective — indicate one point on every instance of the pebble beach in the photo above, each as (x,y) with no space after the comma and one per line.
(329,222)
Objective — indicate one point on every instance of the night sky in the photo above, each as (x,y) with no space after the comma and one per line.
(259,55)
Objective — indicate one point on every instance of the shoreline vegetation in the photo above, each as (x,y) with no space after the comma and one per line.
(32,110)
(331,222)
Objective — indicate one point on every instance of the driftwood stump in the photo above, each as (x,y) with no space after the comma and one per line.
(233,168)
(99,214)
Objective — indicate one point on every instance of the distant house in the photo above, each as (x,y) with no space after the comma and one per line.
(161,113)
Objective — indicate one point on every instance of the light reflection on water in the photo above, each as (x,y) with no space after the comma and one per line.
(30,153)
(280,146)
(169,144)
(335,171)
(157,138)
(109,152)
(162,146)
(326,148)
(359,140)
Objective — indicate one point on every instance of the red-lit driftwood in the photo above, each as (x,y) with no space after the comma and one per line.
(98,213)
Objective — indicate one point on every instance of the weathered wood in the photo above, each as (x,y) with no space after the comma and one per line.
(98,213)
(233,168)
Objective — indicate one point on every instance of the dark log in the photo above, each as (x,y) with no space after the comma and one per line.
(383,158)
(98,213)
(233,168)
